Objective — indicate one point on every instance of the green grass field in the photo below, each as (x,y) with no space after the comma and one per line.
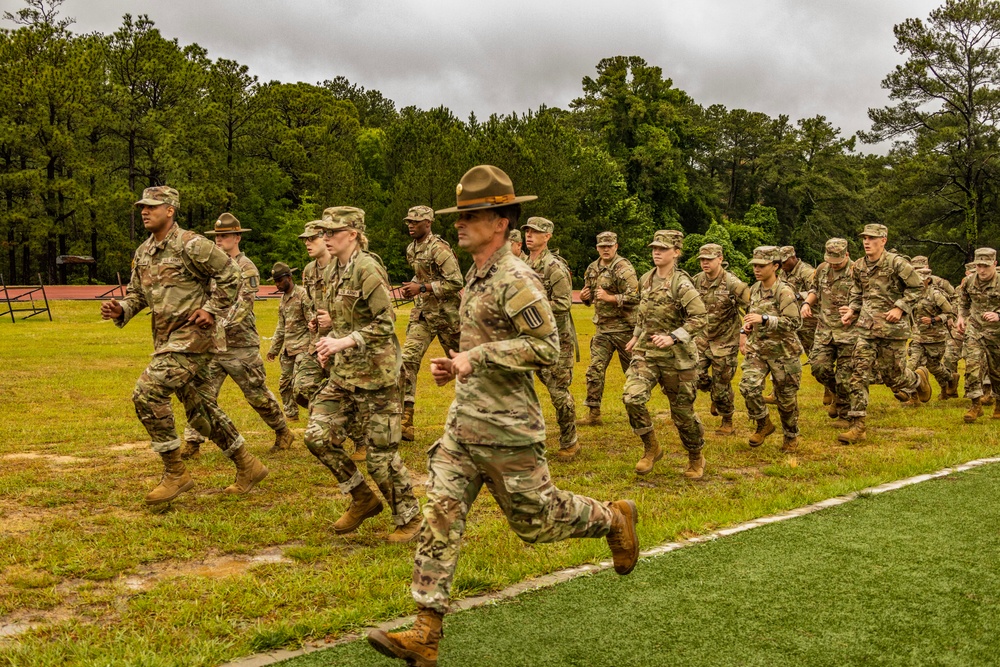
(101,579)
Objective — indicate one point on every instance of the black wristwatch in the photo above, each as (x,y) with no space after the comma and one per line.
(423,288)
(763,319)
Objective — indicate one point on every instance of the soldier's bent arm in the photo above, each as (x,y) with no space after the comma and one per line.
(448,265)
(628,285)
(857,292)
(741,291)
(245,298)
(964,300)
(382,325)
(214,263)
(588,282)
(134,300)
(913,286)
(562,290)
(696,315)
(278,339)
(789,318)
(537,342)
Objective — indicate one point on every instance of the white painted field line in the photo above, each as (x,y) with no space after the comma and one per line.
(548,580)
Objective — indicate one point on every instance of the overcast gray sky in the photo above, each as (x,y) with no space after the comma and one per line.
(798,57)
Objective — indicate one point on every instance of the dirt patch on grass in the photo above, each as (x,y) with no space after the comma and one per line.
(129,446)
(216,567)
(55,459)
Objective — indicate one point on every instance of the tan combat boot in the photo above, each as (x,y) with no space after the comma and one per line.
(364,505)
(827,396)
(408,422)
(175,480)
(249,471)
(713,410)
(854,434)
(832,410)
(622,538)
(975,411)
(593,419)
(996,411)
(651,453)
(417,646)
(842,423)
(407,532)
(764,429)
(360,453)
(951,391)
(987,395)
(790,444)
(567,454)
(283,440)
(190,450)
(726,427)
(696,465)
(924,389)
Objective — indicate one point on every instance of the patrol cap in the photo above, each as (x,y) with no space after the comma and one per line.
(226,224)
(971,266)
(667,238)
(281,270)
(312,229)
(485,186)
(787,252)
(515,236)
(923,271)
(766,254)
(542,225)
(836,249)
(420,213)
(920,262)
(710,251)
(607,238)
(985,257)
(342,217)
(160,194)
(875,231)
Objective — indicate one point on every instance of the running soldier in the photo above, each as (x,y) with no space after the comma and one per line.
(799,276)
(979,320)
(931,315)
(953,342)
(291,339)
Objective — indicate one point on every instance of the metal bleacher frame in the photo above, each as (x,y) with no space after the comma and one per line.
(115,292)
(23,297)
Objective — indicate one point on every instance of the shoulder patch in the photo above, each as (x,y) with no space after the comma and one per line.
(532,317)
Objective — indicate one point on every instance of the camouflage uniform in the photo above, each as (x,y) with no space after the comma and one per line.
(668,306)
(494,432)
(434,313)
(614,321)
(241,360)
(364,381)
(982,338)
(927,347)
(199,276)
(800,279)
(725,299)
(309,376)
(558,286)
(831,357)
(291,342)
(773,347)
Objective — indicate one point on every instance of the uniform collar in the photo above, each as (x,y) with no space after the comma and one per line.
(484,271)
(155,246)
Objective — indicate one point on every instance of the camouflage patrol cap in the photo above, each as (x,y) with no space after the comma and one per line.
(985,257)
(710,251)
(280,270)
(787,252)
(920,262)
(542,225)
(343,217)
(971,266)
(420,213)
(667,238)
(515,236)
(607,238)
(836,249)
(875,231)
(766,254)
(312,229)
(161,194)
(923,271)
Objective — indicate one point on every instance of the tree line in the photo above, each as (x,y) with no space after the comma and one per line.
(89,120)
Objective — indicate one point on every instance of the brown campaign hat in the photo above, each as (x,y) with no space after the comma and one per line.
(875,231)
(766,254)
(484,186)
(985,257)
(161,194)
(420,213)
(542,225)
(836,249)
(227,224)
(607,238)
(343,217)
(667,238)
(710,251)
(280,270)
(312,229)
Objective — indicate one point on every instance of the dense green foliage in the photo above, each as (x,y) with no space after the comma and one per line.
(87,121)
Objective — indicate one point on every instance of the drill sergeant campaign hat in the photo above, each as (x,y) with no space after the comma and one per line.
(280,270)
(766,254)
(836,250)
(515,236)
(985,257)
(875,231)
(226,224)
(484,186)
(667,238)
(787,252)
(710,251)
(607,238)
(539,225)
(343,217)
(419,214)
(160,194)
(313,228)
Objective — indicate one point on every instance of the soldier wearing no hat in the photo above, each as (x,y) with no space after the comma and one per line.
(979,320)
(291,339)
(726,298)
(189,285)
(241,359)
(437,280)
(611,285)
(670,315)
(931,316)
(494,433)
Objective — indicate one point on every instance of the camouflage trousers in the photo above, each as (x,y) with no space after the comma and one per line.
(557,379)
(953,352)
(680,388)
(807,333)
(245,366)
(330,416)
(185,375)
(786,375)
(982,363)
(832,365)
(931,356)
(715,376)
(883,358)
(419,335)
(309,378)
(519,480)
(287,363)
(602,348)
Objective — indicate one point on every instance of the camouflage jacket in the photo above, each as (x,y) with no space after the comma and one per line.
(558,285)
(976,297)
(175,277)
(943,285)
(360,301)
(617,278)
(508,331)
(800,279)
(240,323)
(878,288)
(726,299)
(776,339)
(932,303)
(292,334)
(833,290)
(669,305)
(434,262)
(314,283)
